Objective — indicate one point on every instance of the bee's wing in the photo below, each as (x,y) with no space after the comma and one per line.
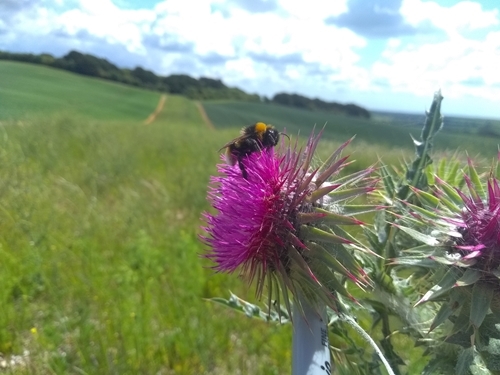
(237,139)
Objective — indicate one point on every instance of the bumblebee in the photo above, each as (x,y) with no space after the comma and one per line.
(253,138)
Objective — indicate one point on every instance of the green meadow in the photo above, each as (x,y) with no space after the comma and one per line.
(101,267)
(41,91)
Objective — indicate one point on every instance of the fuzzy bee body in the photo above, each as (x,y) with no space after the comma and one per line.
(253,138)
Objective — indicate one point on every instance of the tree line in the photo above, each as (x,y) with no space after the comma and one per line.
(299,101)
(199,89)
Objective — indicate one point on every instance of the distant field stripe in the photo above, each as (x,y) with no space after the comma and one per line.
(204,116)
(158,109)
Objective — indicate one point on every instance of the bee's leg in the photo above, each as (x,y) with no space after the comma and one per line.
(257,145)
(243,170)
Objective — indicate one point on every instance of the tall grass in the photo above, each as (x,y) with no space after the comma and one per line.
(100,268)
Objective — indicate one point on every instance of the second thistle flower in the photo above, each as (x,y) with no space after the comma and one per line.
(460,232)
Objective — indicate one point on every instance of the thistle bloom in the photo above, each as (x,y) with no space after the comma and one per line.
(280,226)
(461,235)
(479,227)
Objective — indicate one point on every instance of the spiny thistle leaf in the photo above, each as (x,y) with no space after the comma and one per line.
(251,310)
(434,121)
(476,181)
(481,300)
(446,310)
(428,240)
(446,284)
(470,277)
(465,361)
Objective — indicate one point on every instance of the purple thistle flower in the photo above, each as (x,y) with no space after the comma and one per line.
(280,225)
(480,227)
(466,226)
(460,232)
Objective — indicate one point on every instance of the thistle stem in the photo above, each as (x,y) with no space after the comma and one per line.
(310,349)
(367,337)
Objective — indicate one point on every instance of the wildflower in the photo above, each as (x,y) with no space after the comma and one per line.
(461,235)
(281,225)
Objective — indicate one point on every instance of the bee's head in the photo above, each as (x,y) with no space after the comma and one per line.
(271,137)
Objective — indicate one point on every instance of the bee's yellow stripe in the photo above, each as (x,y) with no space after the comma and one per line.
(260,127)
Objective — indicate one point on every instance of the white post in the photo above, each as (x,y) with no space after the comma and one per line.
(310,348)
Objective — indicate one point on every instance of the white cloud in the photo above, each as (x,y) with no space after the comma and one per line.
(463,15)
(243,33)
(194,23)
(295,29)
(313,10)
(458,66)
(104,20)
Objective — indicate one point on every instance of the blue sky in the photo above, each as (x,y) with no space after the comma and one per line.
(380,54)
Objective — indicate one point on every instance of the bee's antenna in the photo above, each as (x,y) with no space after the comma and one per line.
(286,135)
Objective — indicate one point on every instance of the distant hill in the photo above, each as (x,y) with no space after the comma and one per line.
(89,65)
(199,89)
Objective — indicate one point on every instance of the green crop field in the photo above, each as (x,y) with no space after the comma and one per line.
(39,90)
(381,130)
(100,268)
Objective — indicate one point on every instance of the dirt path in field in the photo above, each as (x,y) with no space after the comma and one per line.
(159,108)
(204,116)
(161,105)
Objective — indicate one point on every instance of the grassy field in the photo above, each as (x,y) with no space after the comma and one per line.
(101,270)
(99,215)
